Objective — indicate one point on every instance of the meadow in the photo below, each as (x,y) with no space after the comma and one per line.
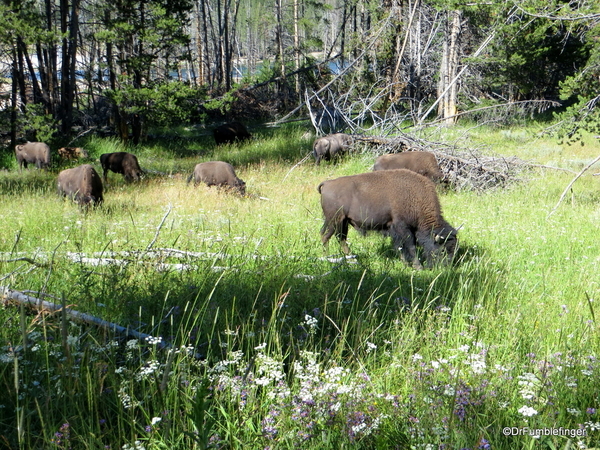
(258,338)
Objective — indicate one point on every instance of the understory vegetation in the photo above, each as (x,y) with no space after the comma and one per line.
(257,338)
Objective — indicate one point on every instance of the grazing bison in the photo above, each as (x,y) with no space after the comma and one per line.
(121,162)
(230,133)
(36,153)
(398,202)
(70,153)
(217,173)
(423,163)
(331,146)
(81,183)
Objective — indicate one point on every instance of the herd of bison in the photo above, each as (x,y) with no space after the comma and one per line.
(398,198)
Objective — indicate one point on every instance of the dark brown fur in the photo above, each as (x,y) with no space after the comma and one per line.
(423,163)
(400,203)
(81,183)
(331,146)
(230,133)
(121,162)
(217,173)
(70,153)
(36,153)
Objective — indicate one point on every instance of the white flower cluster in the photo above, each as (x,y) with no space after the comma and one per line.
(527,411)
(311,323)
(137,445)
(150,367)
(153,340)
(528,383)
(268,369)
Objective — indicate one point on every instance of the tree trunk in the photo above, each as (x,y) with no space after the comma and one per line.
(14,100)
(449,69)
(297,48)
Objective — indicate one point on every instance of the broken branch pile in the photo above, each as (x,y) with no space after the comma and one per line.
(463,169)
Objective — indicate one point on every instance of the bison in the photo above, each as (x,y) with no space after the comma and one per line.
(423,163)
(331,146)
(398,202)
(71,153)
(81,183)
(36,153)
(230,133)
(217,173)
(121,162)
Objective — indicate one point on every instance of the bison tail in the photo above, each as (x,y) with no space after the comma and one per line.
(320,186)
(190,178)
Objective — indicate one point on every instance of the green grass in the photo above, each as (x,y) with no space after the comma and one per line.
(275,346)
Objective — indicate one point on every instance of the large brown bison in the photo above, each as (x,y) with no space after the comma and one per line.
(71,153)
(331,146)
(400,203)
(217,173)
(36,153)
(81,183)
(230,133)
(121,162)
(423,163)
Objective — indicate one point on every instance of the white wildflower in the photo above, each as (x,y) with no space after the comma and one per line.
(153,340)
(527,411)
(574,411)
(310,322)
(155,420)
(261,346)
(594,426)
(416,357)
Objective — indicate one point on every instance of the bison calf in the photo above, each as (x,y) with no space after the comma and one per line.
(123,163)
(217,173)
(70,153)
(36,153)
(400,203)
(230,133)
(423,163)
(331,146)
(81,183)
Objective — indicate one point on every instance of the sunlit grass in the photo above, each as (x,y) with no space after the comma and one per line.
(275,346)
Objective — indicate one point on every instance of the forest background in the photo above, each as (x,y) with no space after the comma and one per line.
(126,67)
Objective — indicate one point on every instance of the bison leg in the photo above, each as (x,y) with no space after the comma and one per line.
(404,241)
(340,229)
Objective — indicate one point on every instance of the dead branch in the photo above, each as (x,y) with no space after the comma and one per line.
(297,164)
(571,184)
(159,228)
(29,260)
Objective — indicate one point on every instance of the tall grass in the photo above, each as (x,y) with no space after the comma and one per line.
(271,345)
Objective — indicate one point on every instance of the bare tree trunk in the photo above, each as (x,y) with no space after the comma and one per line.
(449,69)
(297,47)
(69,27)
(14,100)
(280,52)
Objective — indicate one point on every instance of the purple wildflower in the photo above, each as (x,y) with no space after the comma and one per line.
(484,444)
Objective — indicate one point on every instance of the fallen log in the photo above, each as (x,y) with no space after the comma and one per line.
(20,298)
